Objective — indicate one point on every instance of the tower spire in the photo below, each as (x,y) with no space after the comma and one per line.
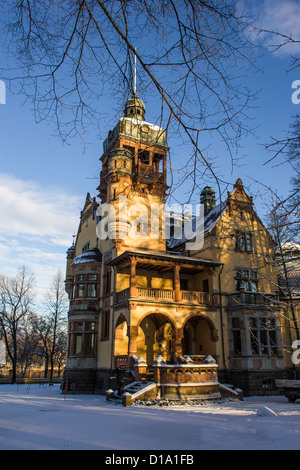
(134,77)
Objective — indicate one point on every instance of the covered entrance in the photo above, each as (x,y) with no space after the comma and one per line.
(199,337)
(155,337)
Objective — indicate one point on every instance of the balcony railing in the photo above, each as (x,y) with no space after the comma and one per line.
(252,298)
(166,295)
(143,169)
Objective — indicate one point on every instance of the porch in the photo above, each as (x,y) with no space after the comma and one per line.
(177,278)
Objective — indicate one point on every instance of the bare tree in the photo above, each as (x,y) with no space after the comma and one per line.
(286,151)
(16,297)
(191,57)
(28,340)
(55,318)
(282,230)
(42,327)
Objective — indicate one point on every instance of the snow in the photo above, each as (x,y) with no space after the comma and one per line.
(139,122)
(43,418)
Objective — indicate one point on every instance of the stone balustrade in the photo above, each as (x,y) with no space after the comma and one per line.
(167,295)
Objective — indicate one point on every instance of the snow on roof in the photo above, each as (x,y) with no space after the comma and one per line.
(154,127)
(89,256)
(289,246)
(210,222)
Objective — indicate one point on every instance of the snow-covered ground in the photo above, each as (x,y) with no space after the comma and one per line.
(35,418)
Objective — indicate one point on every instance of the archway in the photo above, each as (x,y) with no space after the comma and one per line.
(199,337)
(155,337)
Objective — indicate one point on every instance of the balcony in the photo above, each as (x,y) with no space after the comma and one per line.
(149,171)
(252,298)
(167,295)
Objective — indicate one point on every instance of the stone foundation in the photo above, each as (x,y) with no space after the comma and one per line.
(79,381)
(87,381)
(255,383)
(180,380)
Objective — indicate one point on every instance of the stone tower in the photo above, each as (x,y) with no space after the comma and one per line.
(134,167)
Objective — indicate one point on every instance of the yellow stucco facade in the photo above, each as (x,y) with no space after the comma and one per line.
(136,293)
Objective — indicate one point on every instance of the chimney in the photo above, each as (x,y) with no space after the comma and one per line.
(208,199)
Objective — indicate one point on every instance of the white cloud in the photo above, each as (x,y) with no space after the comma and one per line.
(27,208)
(280,16)
(36,228)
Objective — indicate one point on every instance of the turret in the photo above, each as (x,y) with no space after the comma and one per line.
(135,108)
(208,199)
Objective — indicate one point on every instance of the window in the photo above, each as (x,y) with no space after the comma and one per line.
(142,228)
(236,335)
(77,326)
(83,287)
(131,149)
(83,338)
(85,247)
(144,156)
(246,279)
(92,290)
(106,289)
(89,343)
(80,290)
(263,336)
(90,325)
(105,325)
(243,241)
(77,343)
(76,338)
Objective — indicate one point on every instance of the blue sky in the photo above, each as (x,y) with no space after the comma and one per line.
(43,183)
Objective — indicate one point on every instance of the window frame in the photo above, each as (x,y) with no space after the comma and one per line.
(243,241)
(263,339)
(236,336)
(250,279)
(83,329)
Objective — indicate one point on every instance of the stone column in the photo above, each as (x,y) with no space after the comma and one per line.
(177,291)
(178,336)
(132,337)
(133,277)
